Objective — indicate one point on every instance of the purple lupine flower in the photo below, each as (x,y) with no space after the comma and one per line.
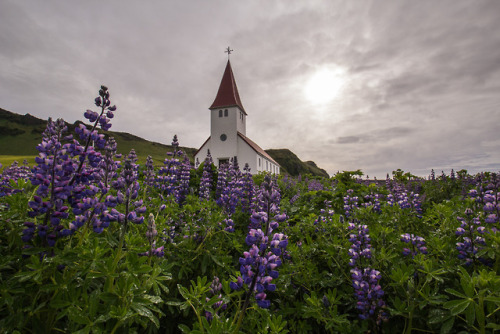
(230,190)
(52,173)
(229,225)
(221,180)
(183,181)
(149,173)
(369,293)
(314,185)
(247,191)
(373,200)
(350,203)
(127,188)
(295,198)
(151,235)
(87,207)
(167,179)
(11,175)
(360,239)
(258,265)
(88,136)
(206,178)
(215,290)
(471,232)
(417,244)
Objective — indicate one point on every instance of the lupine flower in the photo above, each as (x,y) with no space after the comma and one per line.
(360,239)
(247,191)
(52,174)
(417,244)
(314,185)
(13,174)
(373,200)
(215,289)
(127,188)
(369,294)
(167,179)
(229,225)
(149,173)
(405,200)
(221,180)
(206,178)
(350,203)
(471,232)
(230,187)
(258,265)
(183,183)
(151,235)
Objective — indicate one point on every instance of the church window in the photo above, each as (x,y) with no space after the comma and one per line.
(225,112)
(259,162)
(223,137)
(220,113)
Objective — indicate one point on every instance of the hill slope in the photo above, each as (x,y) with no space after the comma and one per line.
(292,165)
(20,134)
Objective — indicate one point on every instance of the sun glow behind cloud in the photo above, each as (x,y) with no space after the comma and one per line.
(325,85)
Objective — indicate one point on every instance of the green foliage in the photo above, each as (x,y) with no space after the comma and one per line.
(88,284)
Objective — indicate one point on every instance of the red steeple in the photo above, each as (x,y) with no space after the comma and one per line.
(227,96)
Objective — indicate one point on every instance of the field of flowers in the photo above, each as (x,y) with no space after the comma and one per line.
(92,242)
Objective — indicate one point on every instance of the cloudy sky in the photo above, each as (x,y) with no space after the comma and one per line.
(370,85)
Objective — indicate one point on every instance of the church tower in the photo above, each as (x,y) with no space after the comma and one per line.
(228,131)
(227,118)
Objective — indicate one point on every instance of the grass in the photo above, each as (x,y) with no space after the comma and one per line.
(7,160)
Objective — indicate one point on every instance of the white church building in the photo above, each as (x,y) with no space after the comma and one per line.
(228,132)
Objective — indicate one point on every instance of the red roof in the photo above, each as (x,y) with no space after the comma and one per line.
(227,96)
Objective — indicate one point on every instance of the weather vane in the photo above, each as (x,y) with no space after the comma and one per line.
(228,51)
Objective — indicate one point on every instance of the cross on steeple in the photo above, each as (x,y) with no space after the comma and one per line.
(228,51)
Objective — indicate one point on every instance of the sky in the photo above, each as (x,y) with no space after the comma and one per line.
(369,85)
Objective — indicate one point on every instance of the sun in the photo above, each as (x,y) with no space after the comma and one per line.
(324,86)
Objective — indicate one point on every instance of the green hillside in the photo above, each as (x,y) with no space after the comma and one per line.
(292,165)
(20,134)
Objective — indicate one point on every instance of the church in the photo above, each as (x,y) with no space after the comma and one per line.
(228,131)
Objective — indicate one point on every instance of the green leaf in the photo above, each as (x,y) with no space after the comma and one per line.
(457,306)
(455,293)
(184,328)
(145,312)
(447,325)
(437,316)
(493,299)
(470,314)
(77,316)
(183,291)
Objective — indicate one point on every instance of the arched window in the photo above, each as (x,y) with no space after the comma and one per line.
(225,112)
(220,113)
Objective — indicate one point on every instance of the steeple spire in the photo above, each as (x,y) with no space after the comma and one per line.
(228,95)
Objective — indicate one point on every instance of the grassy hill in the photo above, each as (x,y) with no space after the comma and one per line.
(20,134)
(292,165)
